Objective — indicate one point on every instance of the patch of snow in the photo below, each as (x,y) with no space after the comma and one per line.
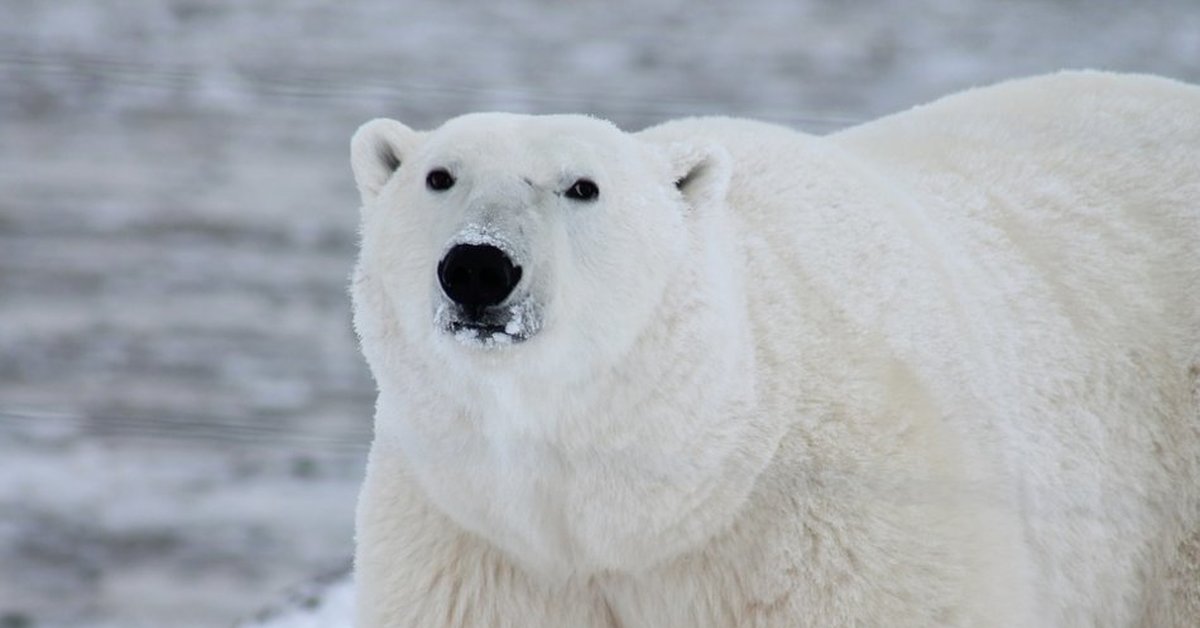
(477,234)
(322,603)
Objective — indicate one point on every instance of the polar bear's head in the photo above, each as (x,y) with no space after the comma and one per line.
(552,310)
(496,235)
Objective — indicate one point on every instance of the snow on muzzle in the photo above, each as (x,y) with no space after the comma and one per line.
(481,302)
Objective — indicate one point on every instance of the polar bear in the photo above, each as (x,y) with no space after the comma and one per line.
(940,369)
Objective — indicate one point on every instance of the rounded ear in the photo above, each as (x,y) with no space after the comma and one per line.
(700,170)
(376,151)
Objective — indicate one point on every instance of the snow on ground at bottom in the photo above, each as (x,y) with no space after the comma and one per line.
(96,532)
(324,602)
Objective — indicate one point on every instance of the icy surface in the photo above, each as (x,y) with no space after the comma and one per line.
(183,412)
(325,602)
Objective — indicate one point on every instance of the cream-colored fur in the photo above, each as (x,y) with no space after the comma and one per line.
(942,369)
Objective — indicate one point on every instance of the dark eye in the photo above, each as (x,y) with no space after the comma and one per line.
(583,190)
(439,179)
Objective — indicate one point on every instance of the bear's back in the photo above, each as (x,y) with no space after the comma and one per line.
(1092,179)
(1077,196)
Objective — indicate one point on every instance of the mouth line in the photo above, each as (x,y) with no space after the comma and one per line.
(485,335)
(480,328)
(489,327)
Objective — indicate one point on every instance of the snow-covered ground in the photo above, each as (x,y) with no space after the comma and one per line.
(183,412)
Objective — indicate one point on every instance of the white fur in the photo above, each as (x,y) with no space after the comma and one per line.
(938,369)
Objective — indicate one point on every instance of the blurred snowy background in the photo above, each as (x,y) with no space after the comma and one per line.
(183,411)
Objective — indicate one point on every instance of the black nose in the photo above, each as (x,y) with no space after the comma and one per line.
(477,275)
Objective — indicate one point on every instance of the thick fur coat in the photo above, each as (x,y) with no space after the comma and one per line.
(941,369)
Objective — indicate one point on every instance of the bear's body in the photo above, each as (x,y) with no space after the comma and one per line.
(939,369)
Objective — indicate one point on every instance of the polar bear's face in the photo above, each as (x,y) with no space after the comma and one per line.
(526,285)
(501,234)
